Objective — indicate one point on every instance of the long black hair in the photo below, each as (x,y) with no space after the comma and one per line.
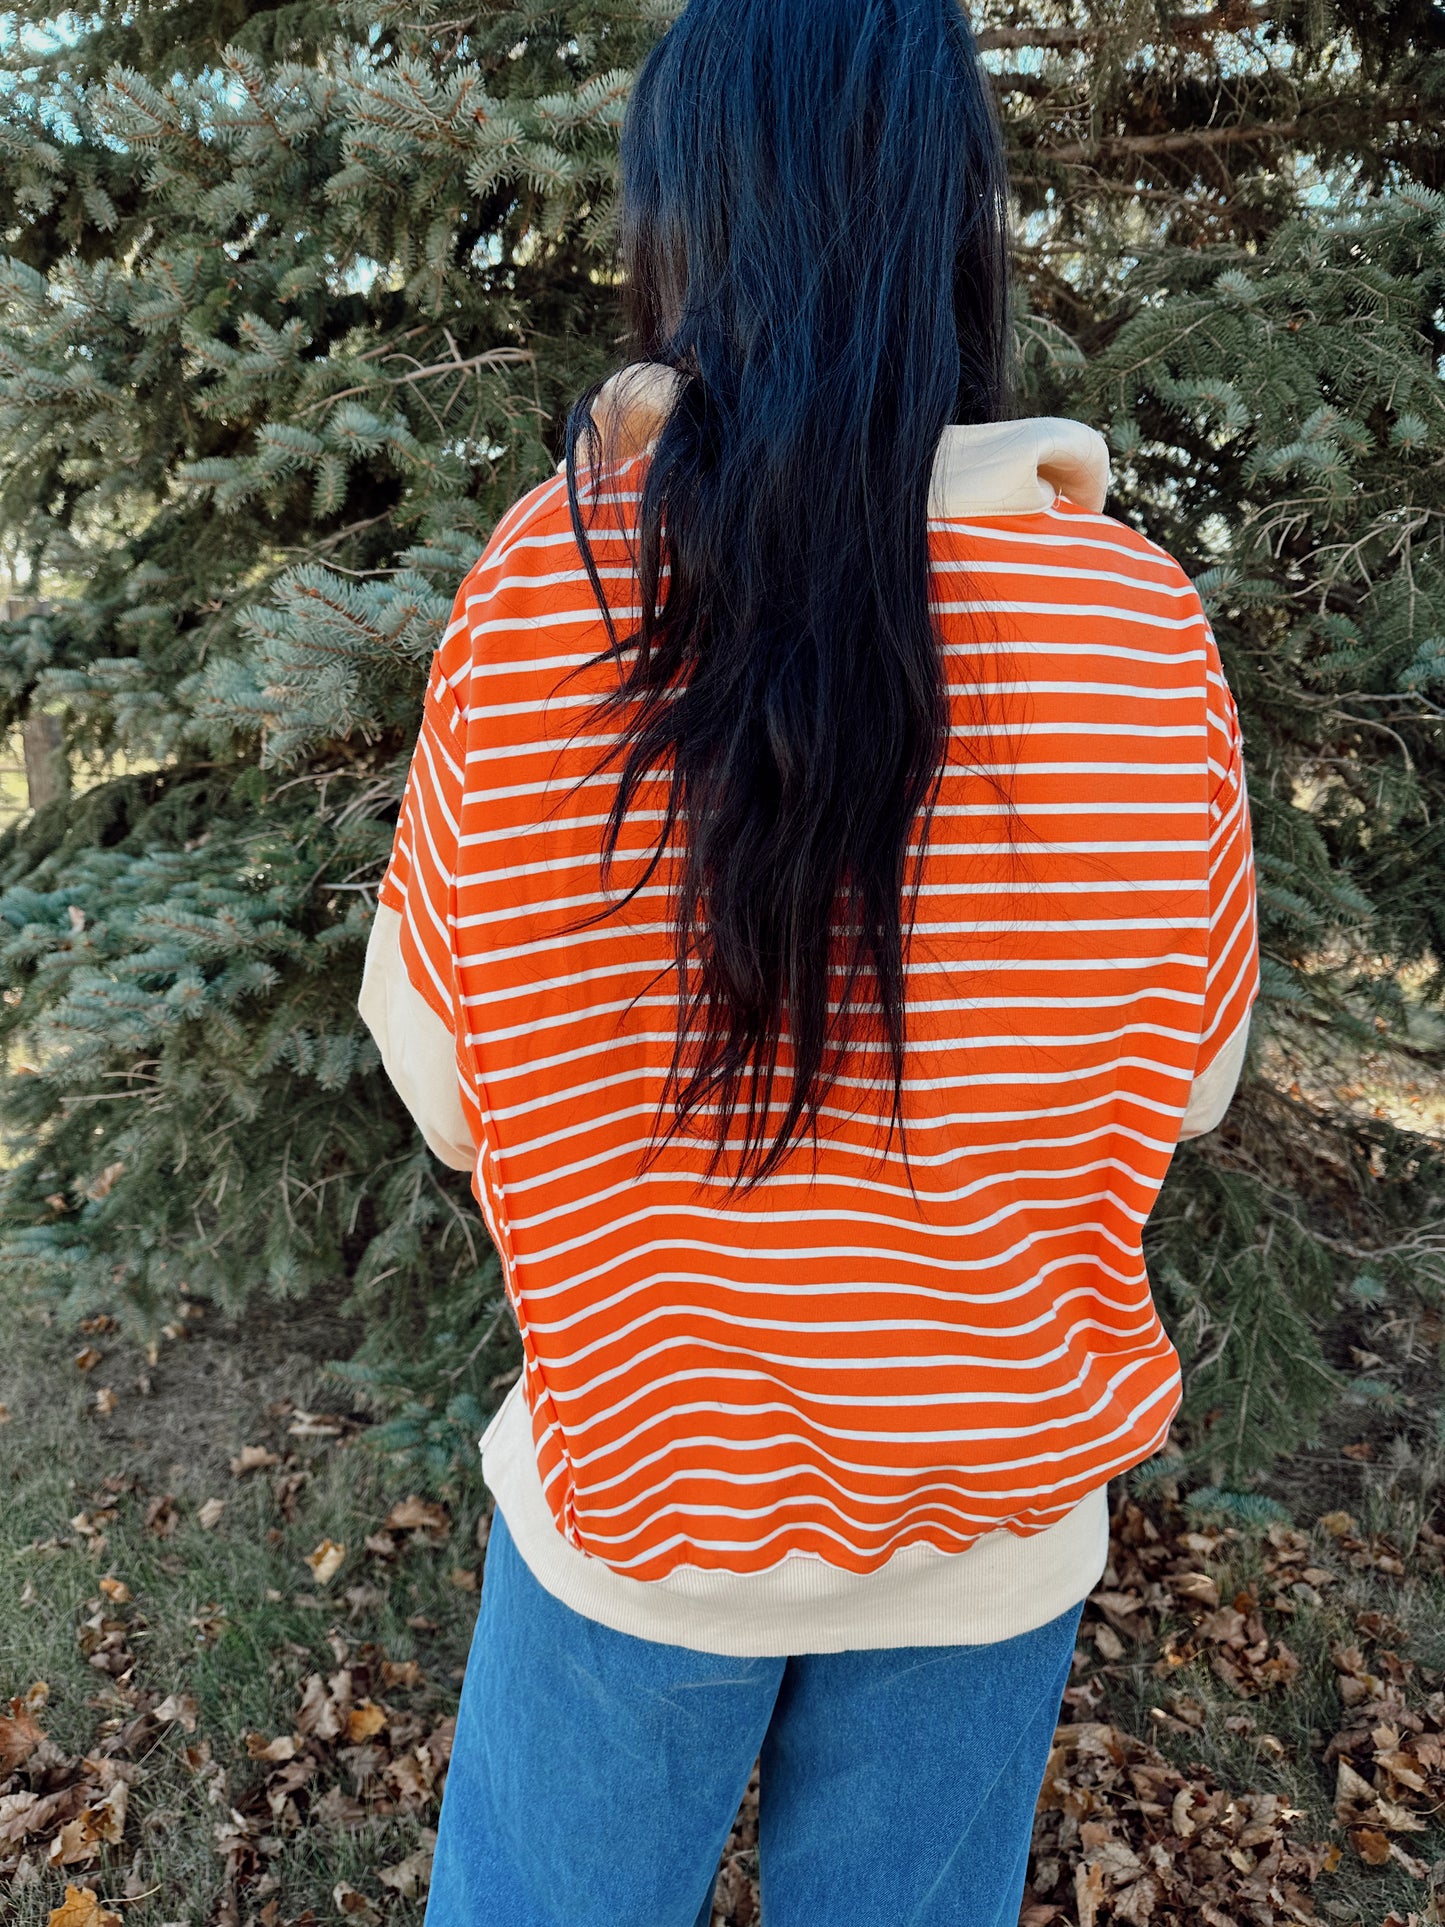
(815,238)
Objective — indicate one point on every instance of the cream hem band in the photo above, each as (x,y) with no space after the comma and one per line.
(1002,1586)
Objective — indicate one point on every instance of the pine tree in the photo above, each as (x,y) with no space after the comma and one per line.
(292,307)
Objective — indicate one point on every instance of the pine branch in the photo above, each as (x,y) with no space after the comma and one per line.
(1225,19)
(1181,143)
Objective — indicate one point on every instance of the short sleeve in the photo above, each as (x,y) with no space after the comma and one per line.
(1232,973)
(420,879)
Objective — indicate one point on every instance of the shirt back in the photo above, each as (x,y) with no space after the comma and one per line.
(860,1354)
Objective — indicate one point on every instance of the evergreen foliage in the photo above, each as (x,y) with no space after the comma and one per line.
(292,303)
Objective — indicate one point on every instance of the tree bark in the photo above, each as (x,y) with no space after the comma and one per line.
(47,767)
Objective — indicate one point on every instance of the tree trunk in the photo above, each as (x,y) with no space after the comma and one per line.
(47,768)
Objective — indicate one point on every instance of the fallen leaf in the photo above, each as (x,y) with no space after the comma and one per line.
(325,1561)
(1195,1586)
(413,1514)
(1372,1846)
(278,1751)
(105,1401)
(101,1824)
(208,1516)
(5,1415)
(1110,1646)
(465,1580)
(1350,1788)
(253,1458)
(411,1876)
(340,1810)
(1088,1892)
(87,1359)
(400,1672)
(208,1622)
(115,1590)
(317,1717)
(354,1905)
(81,1908)
(1338,1524)
(364,1721)
(179,1709)
(20,1734)
(162,1516)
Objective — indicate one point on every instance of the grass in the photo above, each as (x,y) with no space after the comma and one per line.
(232,1616)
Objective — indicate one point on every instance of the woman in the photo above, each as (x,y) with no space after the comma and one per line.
(822,899)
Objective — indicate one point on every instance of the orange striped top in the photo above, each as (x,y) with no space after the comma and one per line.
(839,1364)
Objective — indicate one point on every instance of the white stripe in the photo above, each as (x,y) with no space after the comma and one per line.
(855,1403)
(834,1254)
(733,1320)
(1089,1260)
(837,1147)
(1074,611)
(1056,572)
(634,1182)
(1098,1470)
(952,1121)
(951,1435)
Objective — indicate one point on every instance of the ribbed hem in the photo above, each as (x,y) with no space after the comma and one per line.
(1002,1586)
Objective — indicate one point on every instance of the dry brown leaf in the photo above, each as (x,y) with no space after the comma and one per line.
(404,1673)
(1110,1646)
(81,1908)
(279,1750)
(208,1622)
(102,1185)
(209,1515)
(253,1458)
(1350,1788)
(5,1414)
(1337,1524)
(1197,1587)
(364,1721)
(318,1716)
(325,1561)
(1088,1891)
(422,1516)
(20,1734)
(354,1905)
(179,1709)
(411,1876)
(162,1516)
(465,1580)
(1372,1846)
(101,1824)
(105,1401)
(87,1358)
(1398,1819)
(115,1590)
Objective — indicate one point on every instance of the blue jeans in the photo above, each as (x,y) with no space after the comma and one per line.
(595,1776)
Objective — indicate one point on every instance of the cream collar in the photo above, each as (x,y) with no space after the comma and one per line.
(988,468)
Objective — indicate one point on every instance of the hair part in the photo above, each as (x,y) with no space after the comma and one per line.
(815,240)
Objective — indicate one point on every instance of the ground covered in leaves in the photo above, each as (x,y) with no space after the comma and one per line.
(231,1639)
